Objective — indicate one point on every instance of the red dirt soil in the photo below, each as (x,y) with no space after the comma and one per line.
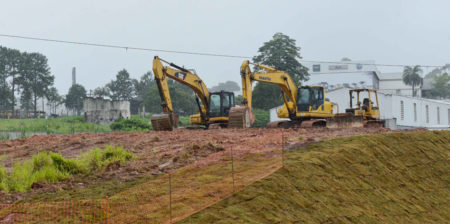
(156,152)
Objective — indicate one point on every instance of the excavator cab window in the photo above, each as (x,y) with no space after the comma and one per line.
(221,103)
(309,96)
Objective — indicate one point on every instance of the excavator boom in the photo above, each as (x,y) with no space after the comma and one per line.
(168,120)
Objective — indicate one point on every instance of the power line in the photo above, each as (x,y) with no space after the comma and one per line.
(192,53)
(121,47)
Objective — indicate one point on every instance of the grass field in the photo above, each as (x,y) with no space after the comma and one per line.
(62,125)
(386,178)
(74,124)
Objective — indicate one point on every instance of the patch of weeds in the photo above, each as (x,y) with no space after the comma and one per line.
(112,154)
(96,158)
(300,138)
(53,167)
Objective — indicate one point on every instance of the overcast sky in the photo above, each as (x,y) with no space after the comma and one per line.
(387,31)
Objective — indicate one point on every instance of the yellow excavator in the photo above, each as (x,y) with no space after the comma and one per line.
(365,114)
(305,106)
(215,108)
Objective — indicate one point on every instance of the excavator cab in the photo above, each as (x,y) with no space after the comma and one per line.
(220,104)
(310,98)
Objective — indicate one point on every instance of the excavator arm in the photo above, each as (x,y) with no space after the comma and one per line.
(269,75)
(184,76)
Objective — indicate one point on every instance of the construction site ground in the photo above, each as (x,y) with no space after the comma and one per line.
(199,161)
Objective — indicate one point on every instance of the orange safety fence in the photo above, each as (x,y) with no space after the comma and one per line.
(167,198)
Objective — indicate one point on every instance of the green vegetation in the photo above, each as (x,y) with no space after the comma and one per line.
(132,124)
(384,178)
(62,125)
(262,117)
(267,95)
(53,167)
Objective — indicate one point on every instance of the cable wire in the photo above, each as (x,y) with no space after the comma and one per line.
(194,53)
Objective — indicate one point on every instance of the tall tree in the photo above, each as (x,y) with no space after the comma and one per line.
(5,89)
(411,77)
(75,97)
(281,53)
(441,86)
(12,69)
(102,92)
(36,76)
(53,99)
(122,87)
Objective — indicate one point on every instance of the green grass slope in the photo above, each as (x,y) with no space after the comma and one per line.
(385,178)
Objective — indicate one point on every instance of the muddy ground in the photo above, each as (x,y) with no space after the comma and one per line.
(157,152)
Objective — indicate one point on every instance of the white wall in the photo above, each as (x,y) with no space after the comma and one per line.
(421,104)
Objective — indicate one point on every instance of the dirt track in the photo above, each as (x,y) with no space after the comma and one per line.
(159,151)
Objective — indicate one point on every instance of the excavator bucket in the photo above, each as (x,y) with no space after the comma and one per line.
(346,120)
(164,122)
(240,117)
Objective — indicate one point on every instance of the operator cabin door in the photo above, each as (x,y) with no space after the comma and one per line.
(220,104)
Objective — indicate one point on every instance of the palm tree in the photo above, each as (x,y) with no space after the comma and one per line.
(411,77)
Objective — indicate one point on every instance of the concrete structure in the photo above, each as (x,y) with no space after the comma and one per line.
(74,76)
(102,111)
(409,112)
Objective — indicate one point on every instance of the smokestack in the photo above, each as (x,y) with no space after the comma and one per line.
(74,76)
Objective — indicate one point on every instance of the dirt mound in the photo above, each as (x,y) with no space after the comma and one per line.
(385,178)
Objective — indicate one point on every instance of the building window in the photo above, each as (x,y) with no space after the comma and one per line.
(448,114)
(415,112)
(397,91)
(438,116)
(316,68)
(427,113)
(402,110)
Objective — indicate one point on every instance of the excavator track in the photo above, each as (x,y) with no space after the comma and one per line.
(239,117)
(163,122)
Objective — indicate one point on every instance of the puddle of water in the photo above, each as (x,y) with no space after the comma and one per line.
(8,135)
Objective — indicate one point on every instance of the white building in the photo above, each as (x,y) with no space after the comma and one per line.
(409,112)
(345,73)
(357,74)
(392,83)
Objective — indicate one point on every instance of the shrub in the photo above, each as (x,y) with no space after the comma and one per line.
(113,154)
(96,158)
(133,124)
(53,167)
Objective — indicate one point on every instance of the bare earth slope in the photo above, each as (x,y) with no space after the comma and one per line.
(383,178)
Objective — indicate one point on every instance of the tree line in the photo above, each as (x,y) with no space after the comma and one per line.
(26,75)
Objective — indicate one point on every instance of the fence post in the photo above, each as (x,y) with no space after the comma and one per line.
(170,194)
(232,168)
(282,147)
(107,208)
